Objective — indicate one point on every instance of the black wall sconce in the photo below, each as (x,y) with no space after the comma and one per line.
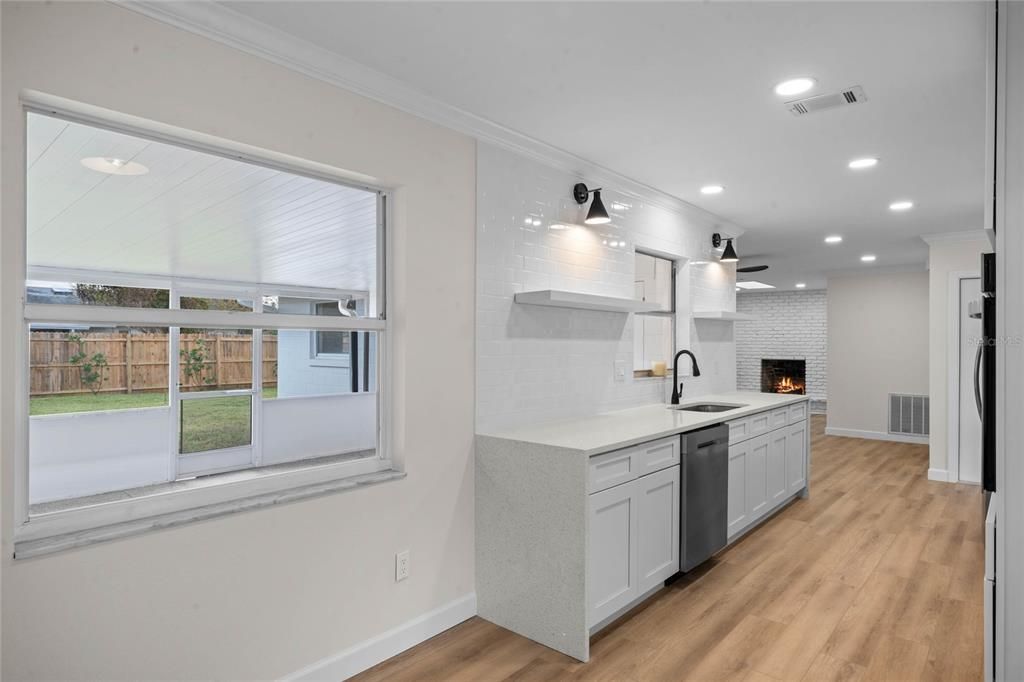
(597,215)
(729,255)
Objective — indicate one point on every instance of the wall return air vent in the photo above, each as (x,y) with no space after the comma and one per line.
(908,414)
(854,95)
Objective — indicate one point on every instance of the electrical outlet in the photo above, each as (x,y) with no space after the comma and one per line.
(401,566)
(620,370)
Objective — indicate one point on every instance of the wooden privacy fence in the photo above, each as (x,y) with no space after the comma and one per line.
(138,362)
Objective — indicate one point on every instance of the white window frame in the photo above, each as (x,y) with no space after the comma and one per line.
(52,531)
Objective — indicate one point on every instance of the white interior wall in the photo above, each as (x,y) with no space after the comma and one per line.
(945,257)
(260,594)
(538,363)
(877,345)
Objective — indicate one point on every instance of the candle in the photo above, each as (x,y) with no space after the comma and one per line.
(658,368)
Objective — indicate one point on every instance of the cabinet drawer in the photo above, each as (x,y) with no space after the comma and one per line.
(658,455)
(739,430)
(612,469)
(760,423)
(798,412)
(779,418)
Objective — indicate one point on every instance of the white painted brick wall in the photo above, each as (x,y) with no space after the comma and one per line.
(539,364)
(790,325)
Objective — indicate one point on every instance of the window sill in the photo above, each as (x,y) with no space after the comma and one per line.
(66,529)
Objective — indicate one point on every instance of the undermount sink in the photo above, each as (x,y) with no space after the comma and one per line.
(706,407)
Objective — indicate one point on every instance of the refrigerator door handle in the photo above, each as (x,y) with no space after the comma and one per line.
(977,377)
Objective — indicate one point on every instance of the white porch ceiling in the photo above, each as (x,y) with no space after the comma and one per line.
(678,95)
(193,215)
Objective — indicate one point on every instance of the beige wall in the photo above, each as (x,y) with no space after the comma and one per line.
(945,258)
(877,344)
(264,593)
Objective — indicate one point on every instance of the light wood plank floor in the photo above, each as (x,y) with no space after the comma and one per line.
(878,576)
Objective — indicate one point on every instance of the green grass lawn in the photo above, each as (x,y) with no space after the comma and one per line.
(208,424)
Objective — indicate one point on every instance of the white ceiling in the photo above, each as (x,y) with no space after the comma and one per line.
(192,215)
(678,95)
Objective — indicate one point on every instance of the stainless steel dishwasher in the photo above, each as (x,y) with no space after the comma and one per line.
(705,489)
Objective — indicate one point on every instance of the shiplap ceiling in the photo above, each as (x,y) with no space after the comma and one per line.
(192,215)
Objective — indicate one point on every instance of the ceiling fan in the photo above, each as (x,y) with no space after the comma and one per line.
(752,268)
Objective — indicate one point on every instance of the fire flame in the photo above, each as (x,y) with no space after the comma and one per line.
(786,385)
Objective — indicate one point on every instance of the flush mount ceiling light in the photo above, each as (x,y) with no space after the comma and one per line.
(729,255)
(597,215)
(794,86)
(800,285)
(712,189)
(868,258)
(114,166)
(754,285)
(902,205)
(833,239)
(866,162)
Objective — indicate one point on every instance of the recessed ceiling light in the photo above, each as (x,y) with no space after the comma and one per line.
(800,285)
(619,206)
(866,162)
(114,166)
(794,86)
(901,205)
(754,285)
(868,258)
(833,239)
(712,189)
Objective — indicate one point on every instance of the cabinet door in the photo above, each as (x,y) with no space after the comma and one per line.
(736,504)
(777,484)
(796,457)
(658,539)
(612,564)
(757,478)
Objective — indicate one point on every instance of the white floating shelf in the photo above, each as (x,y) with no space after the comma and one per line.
(572,299)
(726,315)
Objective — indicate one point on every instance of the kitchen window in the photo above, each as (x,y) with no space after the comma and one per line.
(654,331)
(173,296)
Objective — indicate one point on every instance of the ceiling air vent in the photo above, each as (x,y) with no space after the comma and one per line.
(854,95)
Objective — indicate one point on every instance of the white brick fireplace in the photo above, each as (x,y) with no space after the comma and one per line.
(789,325)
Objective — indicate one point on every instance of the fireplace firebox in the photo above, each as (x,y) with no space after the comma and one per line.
(783,376)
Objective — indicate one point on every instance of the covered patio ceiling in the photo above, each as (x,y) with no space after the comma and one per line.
(191,215)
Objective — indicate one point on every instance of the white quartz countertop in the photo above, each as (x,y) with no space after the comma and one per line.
(620,429)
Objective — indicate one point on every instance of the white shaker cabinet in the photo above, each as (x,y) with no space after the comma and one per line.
(634,525)
(768,469)
(778,487)
(612,566)
(736,503)
(796,456)
(658,540)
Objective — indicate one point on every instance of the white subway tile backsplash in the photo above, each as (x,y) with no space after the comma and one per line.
(539,364)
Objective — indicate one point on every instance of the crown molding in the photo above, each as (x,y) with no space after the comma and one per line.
(226,26)
(946,237)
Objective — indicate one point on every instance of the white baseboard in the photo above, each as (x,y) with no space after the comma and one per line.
(875,435)
(939,475)
(365,655)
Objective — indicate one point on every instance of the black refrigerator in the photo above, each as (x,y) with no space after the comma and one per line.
(985,372)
